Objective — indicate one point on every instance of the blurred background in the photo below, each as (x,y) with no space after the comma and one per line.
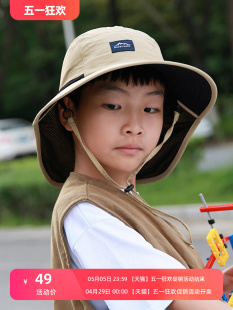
(196,32)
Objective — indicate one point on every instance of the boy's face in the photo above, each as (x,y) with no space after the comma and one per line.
(120,124)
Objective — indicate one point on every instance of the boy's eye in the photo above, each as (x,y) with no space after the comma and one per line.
(112,106)
(151,110)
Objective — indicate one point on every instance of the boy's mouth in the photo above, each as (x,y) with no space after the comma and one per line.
(129,149)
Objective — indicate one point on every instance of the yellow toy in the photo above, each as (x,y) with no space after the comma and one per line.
(217,242)
(230,302)
(217,247)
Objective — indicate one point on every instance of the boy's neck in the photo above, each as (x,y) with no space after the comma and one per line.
(91,171)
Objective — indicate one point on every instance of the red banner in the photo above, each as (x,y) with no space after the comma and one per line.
(44,9)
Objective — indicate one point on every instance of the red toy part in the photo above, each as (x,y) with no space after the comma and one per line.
(225,239)
(210,262)
(216,208)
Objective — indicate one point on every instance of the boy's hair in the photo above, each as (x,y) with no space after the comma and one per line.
(138,75)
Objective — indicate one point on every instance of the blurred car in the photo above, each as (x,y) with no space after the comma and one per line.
(16,138)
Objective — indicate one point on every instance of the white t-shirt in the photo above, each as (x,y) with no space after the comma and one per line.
(98,240)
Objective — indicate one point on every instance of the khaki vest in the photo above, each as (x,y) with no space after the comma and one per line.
(130,209)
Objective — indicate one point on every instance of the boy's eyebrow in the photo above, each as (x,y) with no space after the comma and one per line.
(156,92)
(116,88)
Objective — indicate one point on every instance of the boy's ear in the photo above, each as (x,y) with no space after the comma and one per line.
(70,106)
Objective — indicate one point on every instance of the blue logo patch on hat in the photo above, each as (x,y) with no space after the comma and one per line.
(121,46)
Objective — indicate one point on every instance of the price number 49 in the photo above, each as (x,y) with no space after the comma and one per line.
(46,277)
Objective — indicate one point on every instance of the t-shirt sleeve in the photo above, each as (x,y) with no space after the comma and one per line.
(97,239)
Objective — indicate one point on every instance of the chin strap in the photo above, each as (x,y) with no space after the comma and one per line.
(89,153)
(98,165)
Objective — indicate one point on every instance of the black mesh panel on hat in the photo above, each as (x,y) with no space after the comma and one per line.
(188,87)
(163,159)
(57,147)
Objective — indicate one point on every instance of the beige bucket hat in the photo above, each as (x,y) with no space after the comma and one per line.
(103,50)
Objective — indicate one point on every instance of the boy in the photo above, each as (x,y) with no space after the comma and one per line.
(122,115)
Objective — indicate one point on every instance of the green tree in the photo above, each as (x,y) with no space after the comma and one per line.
(31,52)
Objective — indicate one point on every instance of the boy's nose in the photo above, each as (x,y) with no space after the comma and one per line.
(132,126)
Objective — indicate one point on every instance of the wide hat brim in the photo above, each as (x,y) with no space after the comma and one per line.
(193,89)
